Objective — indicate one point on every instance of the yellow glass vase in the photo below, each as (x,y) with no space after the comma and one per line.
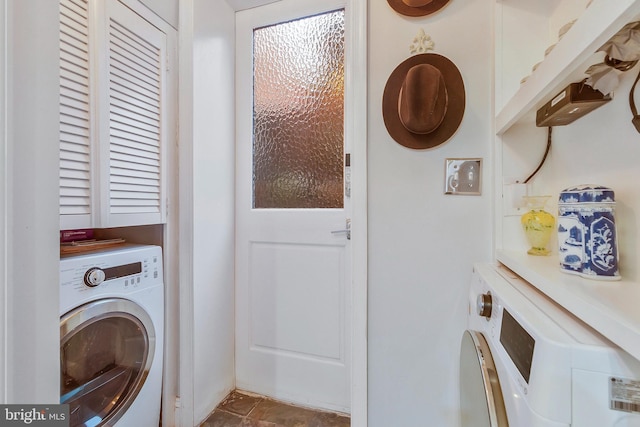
(538,224)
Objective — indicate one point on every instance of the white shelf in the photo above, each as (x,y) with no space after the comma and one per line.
(567,62)
(610,307)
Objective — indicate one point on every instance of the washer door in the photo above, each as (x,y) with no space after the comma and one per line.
(106,351)
(481,399)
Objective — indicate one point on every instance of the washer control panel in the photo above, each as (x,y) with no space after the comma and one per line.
(114,271)
(96,275)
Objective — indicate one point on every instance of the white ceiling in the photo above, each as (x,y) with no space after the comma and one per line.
(248,4)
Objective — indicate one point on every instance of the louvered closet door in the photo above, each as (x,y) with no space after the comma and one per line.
(76,202)
(113,116)
(134,175)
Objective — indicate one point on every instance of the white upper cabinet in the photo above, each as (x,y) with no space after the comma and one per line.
(528,30)
(117,96)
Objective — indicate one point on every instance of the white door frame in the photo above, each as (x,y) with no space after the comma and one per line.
(356,106)
(356,87)
(184,407)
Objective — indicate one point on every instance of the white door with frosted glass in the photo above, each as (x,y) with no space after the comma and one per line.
(293,260)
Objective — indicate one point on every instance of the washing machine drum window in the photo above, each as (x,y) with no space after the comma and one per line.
(106,351)
(481,401)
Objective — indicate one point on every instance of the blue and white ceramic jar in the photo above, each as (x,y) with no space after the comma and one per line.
(587,243)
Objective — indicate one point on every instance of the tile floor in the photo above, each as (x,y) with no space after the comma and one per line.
(244,410)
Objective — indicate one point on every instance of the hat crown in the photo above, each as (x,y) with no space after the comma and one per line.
(423,99)
(416,3)
(417,7)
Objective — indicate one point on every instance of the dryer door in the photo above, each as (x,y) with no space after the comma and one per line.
(106,351)
(481,399)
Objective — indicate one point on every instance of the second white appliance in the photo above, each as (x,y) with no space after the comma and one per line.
(526,362)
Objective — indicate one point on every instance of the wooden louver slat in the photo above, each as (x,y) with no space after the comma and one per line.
(75,182)
(135,70)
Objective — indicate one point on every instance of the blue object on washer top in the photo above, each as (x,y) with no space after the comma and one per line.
(587,193)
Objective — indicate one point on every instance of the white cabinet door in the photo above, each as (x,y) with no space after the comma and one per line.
(114,119)
(76,83)
(132,152)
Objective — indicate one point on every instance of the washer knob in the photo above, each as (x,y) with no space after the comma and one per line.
(484,305)
(94,276)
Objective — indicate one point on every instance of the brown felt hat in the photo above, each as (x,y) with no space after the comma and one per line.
(417,7)
(423,102)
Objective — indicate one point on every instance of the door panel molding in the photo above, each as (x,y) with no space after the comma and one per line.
(313,331)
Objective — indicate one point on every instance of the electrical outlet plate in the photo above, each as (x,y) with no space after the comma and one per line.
(462,176)
(512,197)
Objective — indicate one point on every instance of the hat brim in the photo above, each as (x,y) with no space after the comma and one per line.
(400,7)
(455,108)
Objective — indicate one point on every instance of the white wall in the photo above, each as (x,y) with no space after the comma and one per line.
(3,202)
(207,139)
(422,244)
(31,200)
(214,175)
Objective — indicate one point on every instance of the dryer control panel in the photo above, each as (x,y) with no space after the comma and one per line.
(115,271)
(96,275)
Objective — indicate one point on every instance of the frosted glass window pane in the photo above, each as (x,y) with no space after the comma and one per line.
(298,126)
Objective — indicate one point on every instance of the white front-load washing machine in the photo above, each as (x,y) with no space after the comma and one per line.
(527,362)
(111,336)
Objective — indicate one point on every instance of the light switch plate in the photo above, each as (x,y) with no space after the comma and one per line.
(463,176)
